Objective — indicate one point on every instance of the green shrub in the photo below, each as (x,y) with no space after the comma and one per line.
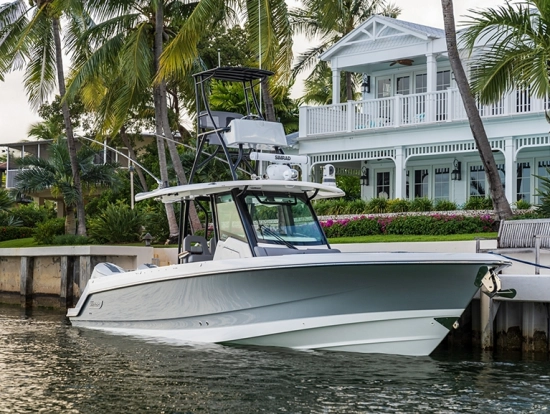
(355,207)
(155,222)
(478,203)
(12,233)
(377,205)
(116,224)
(361,227)
(523,204)
(421,204)
(7,220)
(409,225)
(445,205)
(398,206)
(70,240)
(45,231)
(32,214)
(322,207)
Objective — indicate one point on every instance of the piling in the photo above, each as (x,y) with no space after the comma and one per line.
(26,281)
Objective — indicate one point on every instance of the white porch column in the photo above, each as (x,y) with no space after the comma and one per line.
(431,65)
(335,86)
(509,169)
(399,173)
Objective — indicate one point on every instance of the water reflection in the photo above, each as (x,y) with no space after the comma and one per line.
(45,364)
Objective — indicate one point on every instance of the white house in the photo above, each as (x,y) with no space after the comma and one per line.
(409,136)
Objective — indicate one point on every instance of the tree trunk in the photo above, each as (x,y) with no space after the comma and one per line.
(70,224)
(349,87)
(81,215)
(500,203)
(128,144)
(161,113)
(171,216)
(268,102)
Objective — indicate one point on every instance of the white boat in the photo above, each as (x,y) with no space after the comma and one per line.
(268,275)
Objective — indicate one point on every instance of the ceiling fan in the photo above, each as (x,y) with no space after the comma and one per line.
(404,62)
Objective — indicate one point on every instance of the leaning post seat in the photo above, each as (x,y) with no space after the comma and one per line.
(195,249)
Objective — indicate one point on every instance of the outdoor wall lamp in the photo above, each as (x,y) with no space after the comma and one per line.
(364,176)
(148,239)
(365,86)
(455,174)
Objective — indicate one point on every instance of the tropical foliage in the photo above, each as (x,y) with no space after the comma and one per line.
(516,52)
(31,37)
(55,174)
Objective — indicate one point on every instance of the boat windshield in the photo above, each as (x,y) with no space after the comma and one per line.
(283,219)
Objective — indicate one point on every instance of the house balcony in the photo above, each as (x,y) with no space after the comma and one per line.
(407,111)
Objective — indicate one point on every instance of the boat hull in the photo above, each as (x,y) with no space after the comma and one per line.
(354,302)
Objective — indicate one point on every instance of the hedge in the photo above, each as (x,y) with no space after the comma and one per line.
(11,233)
(435,224)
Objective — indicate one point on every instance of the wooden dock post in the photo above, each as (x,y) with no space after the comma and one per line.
(488,310)
(67,279)
(508,327)
(535,327)
(26,281)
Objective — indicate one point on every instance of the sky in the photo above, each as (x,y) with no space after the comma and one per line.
(16,116)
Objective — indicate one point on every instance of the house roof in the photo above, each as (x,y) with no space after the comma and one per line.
(427,30)
(390,32)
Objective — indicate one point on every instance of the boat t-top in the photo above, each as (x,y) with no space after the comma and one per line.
(263,272)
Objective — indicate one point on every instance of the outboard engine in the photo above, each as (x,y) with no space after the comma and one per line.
(106,269)
(329,175)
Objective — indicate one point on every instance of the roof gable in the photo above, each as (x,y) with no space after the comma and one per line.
(380,31)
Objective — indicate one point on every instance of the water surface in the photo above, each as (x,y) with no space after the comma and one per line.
(48,366)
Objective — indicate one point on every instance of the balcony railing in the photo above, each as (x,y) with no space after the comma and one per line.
(408,110)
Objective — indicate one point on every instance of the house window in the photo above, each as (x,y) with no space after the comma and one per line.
(441,183)
(477,181)
(523,100)
(542,171)
(421,81)
(407,192)
(383,88)
(383,184)
(523,181)
(421,184)
(404,85)
(421,87)
(443,82)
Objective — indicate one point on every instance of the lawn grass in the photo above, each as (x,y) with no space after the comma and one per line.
(381,238)
(395,238)
(26,242)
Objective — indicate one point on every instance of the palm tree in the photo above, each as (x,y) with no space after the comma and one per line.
(517,54)
(331,21)
(500,203)
(127,45)
(270,34)
(6,200)
(55,174)
(30,35)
